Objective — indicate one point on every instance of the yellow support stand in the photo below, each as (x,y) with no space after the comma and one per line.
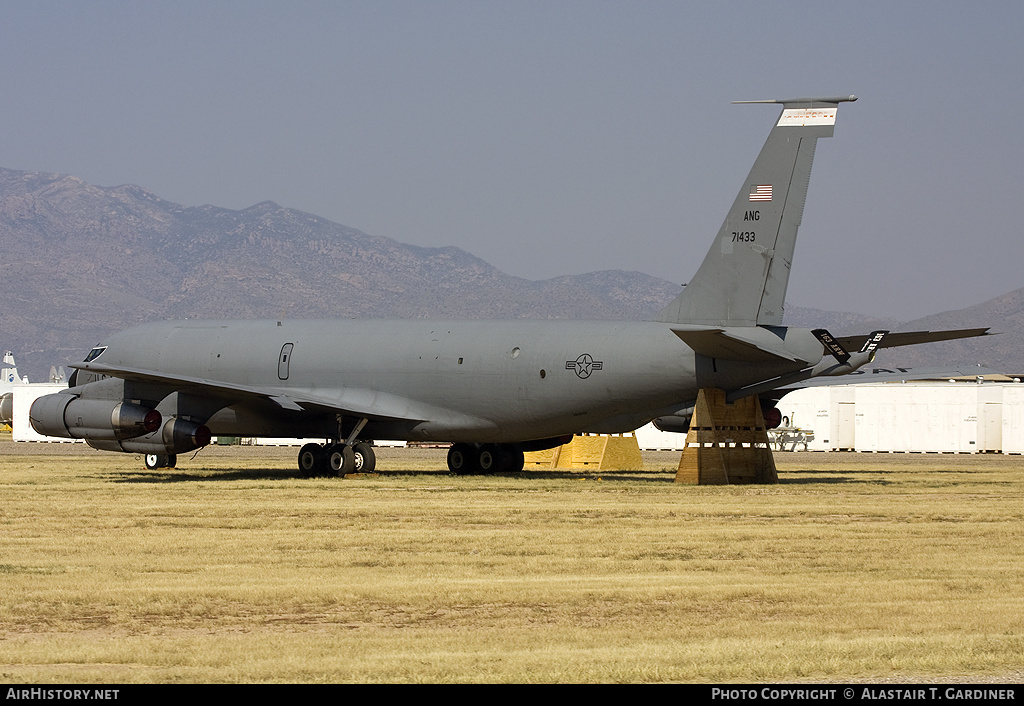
(727,443)
(600,452)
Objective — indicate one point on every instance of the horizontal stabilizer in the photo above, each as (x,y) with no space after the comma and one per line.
(732,344)
(806,102)
(910,338)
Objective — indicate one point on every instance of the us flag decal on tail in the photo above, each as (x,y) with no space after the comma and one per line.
(761,192)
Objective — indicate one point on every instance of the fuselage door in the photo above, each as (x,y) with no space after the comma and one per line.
(283,361)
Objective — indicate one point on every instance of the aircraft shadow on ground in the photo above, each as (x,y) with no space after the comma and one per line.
(811,477)
(172,475)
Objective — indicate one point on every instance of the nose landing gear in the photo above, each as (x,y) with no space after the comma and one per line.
(155,461)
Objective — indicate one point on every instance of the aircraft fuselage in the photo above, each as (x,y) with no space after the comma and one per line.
(461,380)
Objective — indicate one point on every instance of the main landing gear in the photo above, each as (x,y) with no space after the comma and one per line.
(338,458)
(331,460)
(467,459)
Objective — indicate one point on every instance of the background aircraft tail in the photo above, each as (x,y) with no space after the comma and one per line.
(8,370)
(743,279)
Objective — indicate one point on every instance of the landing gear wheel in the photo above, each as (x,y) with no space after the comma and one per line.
(462,459)
(365,458)
(514,460)
(312,460)
(341,460)
(155,461)
(489,458)
(501,458)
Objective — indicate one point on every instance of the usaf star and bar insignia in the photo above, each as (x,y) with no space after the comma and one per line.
(584,365)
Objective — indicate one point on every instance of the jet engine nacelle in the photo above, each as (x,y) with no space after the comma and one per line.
(177,436)
(72,417)
(678,423)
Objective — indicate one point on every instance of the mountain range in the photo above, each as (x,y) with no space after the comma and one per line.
(82,261)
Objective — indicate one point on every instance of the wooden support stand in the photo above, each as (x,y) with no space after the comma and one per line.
(727,443)
(599,452)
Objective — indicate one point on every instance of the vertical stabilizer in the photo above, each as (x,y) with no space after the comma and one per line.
(743,279)
(9,371)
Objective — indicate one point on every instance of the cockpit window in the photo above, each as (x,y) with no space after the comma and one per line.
(95,353)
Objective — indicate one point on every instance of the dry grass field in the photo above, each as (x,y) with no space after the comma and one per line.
(230,568)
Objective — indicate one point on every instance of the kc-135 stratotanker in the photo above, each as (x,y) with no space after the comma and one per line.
(494,389)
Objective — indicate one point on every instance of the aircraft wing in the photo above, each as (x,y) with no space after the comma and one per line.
(891,374)
(349,401)
(911,338)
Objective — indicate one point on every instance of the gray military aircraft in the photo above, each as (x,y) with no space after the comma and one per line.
(493,388)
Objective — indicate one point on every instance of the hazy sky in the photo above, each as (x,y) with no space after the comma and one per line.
(554,137)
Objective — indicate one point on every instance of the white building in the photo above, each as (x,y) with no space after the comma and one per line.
(921,417)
